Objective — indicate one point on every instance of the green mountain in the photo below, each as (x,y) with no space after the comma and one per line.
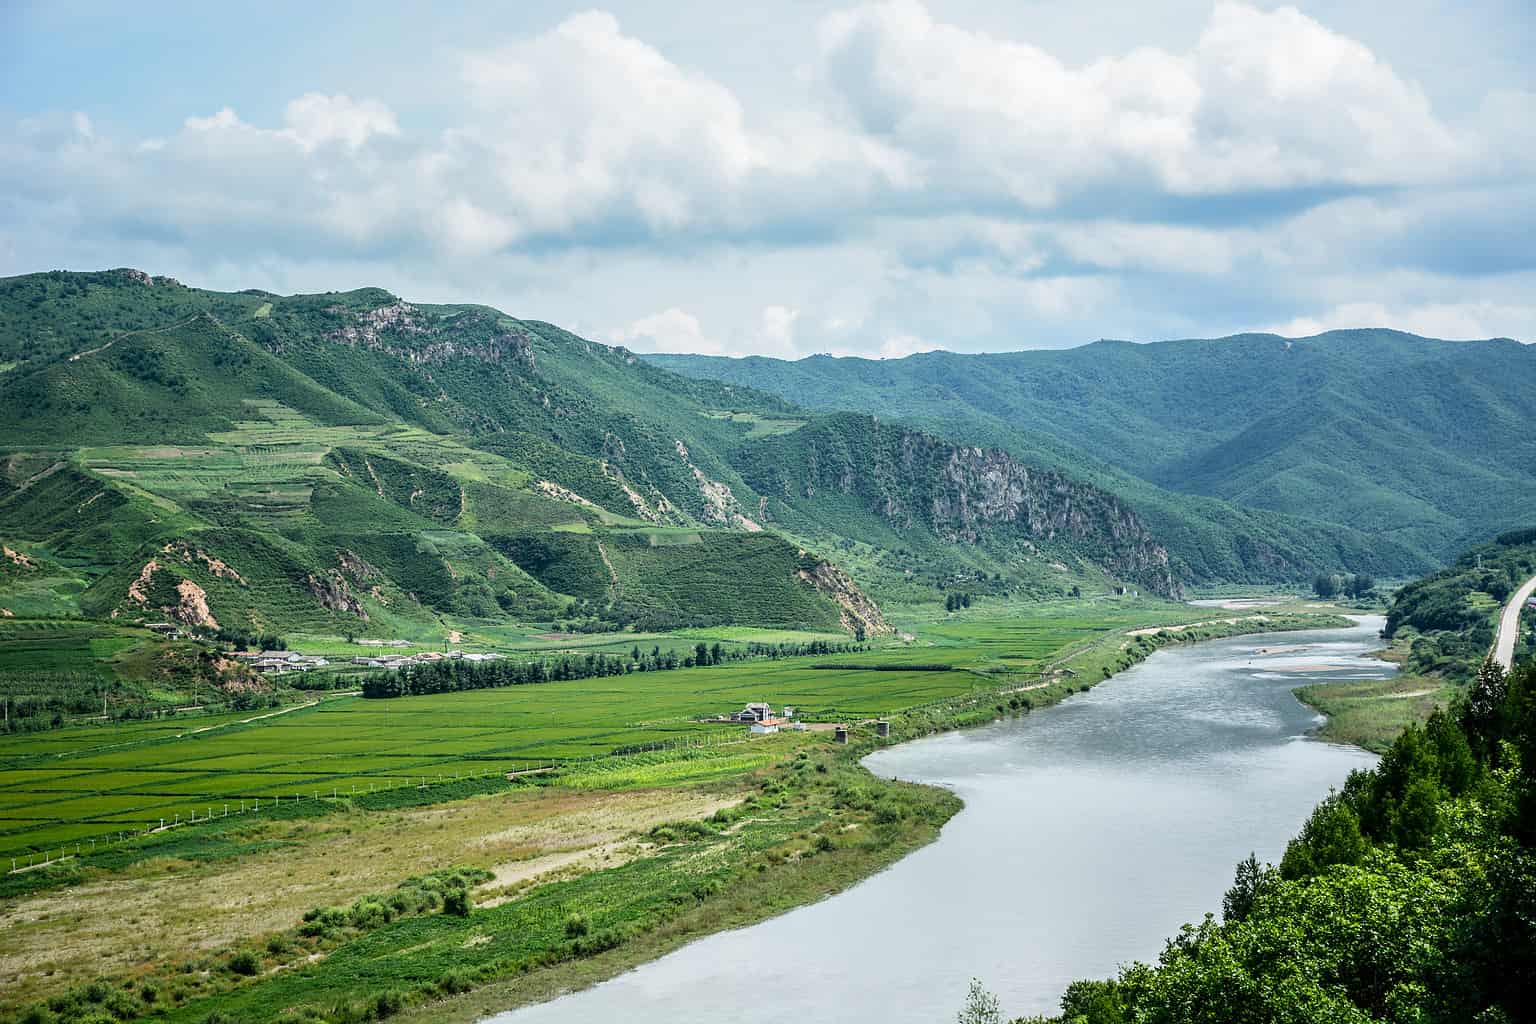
(1237,450)
(354,463)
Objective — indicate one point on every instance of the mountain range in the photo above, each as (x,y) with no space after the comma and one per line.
(353,463)
(1244,455)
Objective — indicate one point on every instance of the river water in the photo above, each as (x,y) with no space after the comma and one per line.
(1091,831)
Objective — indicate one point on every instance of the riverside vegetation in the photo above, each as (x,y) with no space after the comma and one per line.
(1409,894)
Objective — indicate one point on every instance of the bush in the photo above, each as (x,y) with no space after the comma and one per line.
(456,902)
(576,926)
(387,1004)
(244,963)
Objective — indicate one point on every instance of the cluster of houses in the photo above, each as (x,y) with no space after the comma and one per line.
(278,662)
(401,660)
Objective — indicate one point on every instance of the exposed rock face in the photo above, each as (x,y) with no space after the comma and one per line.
(858,611)
(331,590)
(136,276)
(188,553)
(20,560)
(192,609)
(720,504)
(138,590)
(401,330)
(915,480)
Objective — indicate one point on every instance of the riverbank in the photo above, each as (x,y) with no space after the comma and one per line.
(1073,671)
(1090,832)
(1370,714)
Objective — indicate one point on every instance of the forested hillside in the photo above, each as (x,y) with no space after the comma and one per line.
(1416,448)
(352,463)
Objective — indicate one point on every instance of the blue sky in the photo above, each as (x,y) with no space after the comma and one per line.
(870,178)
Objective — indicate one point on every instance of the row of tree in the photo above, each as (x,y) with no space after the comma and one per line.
(1340,584)
(453,674)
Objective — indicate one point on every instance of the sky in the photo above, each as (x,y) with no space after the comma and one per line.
(862,179)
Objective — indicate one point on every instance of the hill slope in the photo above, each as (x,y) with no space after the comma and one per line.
(354,463)
(1416,446)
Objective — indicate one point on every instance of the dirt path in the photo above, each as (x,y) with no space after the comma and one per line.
(269,714)
(613,574)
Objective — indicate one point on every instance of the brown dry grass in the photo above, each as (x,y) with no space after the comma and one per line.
(175,910)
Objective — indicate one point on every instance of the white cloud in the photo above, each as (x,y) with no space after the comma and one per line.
(315,119)
(920,184)
(1264,100)
(898,346)
(671,330)
(1456,321)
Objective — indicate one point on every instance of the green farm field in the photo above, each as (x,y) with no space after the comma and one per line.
(76,784)
(62,787)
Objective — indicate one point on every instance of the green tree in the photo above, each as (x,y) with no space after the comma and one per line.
(981,1006)
(1323,585)
(1248,882)
(1331,836)
(1093,1002)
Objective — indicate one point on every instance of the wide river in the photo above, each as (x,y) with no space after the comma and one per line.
(1091,831)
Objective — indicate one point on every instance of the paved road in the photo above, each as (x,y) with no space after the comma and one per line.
(1509,623)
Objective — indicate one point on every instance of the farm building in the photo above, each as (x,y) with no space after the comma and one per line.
(755,713)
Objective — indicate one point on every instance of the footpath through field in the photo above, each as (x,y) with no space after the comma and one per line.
(1509,625)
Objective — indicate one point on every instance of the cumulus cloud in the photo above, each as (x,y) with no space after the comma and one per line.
(1264,100)
(916,183)
(671,330)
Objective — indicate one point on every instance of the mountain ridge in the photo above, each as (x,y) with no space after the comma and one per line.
(360,463)
(1407,441)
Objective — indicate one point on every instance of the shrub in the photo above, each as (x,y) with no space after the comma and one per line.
(244,963)
(576,926)
(456,902)
(387,1004)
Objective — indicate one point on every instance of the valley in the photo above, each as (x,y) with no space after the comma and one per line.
(365,658)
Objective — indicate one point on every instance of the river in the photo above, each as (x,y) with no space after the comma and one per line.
(1091,831)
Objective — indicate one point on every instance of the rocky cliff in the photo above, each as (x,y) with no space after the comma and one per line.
(962,494)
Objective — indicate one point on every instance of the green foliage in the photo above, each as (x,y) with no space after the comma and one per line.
(1450,614)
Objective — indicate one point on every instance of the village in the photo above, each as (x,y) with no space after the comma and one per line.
(280,662)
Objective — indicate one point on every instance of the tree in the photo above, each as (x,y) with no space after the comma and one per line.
(1246,885)
(1331,836)
(1361,584)
(1323,585)
(981,1007)
(1483,709)
(700,653)
(1093,1002)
